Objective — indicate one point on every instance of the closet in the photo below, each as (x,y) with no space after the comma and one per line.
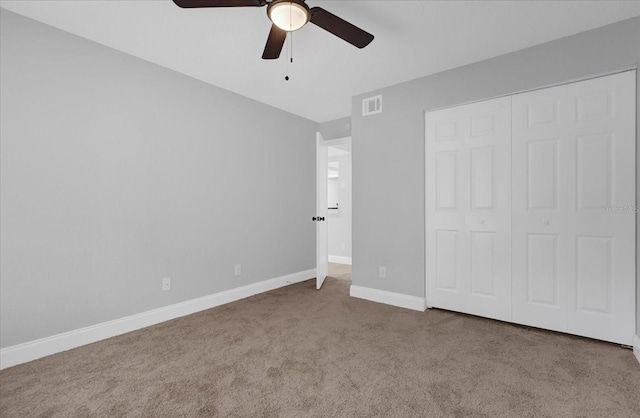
(531,208)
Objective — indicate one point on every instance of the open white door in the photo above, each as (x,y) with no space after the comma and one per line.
(322,231)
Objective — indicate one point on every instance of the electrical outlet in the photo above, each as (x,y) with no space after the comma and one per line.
(383,272)
(343,246)
(238,270)
(166,283)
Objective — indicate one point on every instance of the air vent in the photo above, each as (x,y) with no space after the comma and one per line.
(371,105)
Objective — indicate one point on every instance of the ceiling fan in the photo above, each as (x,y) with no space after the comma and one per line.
(288,16)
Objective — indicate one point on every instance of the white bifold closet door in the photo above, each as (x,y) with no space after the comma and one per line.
(530,206)
(468,208)
(574,208)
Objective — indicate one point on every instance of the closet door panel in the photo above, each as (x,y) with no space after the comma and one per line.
(573,205)
(602,213)
(467,154)
(540,144)
(542,270)
(488,214)
(445,207)
(541,175)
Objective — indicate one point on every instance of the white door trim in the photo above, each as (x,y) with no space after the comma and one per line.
(321,213)
(546,86)
(337,141)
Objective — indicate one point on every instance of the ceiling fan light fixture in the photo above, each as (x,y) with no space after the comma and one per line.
(288,15)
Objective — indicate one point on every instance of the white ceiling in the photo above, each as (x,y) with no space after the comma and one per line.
(412,39)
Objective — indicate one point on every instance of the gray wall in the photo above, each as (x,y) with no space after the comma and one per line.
(338,128)
(116,173)
(393,141)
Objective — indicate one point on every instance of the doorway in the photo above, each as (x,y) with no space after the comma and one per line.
(336,174)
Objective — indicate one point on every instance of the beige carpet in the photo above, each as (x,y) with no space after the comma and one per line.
(297,352)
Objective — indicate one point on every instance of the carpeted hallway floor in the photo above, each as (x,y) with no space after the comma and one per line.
(297,352)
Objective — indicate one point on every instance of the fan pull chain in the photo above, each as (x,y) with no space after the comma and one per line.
(289,52)
(288,39)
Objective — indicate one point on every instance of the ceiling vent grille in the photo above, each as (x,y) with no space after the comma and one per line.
(371,105)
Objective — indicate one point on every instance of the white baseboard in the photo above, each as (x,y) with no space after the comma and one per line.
(340,260)
(390,298)
(636,346)
(36,349)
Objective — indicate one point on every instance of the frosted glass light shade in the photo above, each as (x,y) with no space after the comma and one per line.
(288,15)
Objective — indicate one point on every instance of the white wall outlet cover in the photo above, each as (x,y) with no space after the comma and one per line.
(383,272)
(166,283)
(238,269)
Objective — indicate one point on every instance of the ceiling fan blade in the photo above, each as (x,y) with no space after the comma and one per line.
(274,43)
(219,3)
(341,28)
